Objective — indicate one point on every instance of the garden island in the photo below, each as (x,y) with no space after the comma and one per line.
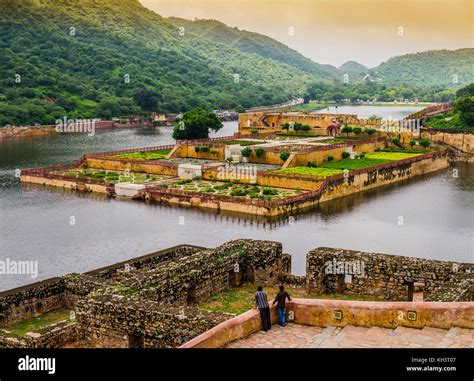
(276,163)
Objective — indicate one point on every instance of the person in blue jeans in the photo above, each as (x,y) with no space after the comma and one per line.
(281,303)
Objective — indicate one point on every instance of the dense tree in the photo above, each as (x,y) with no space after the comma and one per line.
(465,107)
(148,100)
(196,124)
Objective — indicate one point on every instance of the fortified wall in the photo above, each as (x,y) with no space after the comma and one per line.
(150,301)
(147,301)
(391,277)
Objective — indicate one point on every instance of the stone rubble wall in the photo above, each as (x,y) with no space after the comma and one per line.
(459,289)
(160,326)
(31,300)
(383,275)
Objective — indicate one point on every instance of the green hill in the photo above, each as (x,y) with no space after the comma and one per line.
(256,43)
(103,58)
(355,70)
(122,58)
(431,68)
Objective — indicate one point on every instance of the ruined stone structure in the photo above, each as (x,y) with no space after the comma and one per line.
(150,301)
(391,277)
(144,302)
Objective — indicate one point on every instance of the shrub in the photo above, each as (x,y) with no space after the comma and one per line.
(346,130)
(396,142)
(198,178)
(269,192)
(346,155)
(224,186)
(205,149)
(238,192)
(246,152)
(412,143)
(357,130)
(286,126)
(370,131)
(425,143)
(259,152)
(254,131)
(312,164)
(214,152)
(284,156)
(184,181)
(197,149)
(330,158)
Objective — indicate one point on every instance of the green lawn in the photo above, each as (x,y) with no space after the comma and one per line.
(241,299)
(354,164)
(142,155)
(312,172)
(392,156)
(38,324)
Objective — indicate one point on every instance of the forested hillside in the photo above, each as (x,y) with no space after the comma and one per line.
(250,42)
(446,68)
(103,58)
(88,58)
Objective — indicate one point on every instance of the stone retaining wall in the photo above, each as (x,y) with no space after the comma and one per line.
(391,277)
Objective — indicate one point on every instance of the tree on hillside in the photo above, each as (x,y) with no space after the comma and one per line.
(196,124)
(467,91)
(147,99)
(465,107)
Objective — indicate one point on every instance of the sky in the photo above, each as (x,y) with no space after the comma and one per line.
(336,31)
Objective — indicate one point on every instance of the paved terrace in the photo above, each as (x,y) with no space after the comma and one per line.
(300,336)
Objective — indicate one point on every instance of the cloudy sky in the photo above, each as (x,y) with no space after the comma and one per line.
(336,31)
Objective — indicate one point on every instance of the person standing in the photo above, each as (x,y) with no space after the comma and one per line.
(281,300)
(261,302)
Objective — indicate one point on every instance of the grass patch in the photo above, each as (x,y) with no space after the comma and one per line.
(354,164)
(307,171)
(392,156)
(239,300)
(38,324)
(142,155)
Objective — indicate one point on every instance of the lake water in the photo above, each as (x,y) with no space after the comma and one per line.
(437,211)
